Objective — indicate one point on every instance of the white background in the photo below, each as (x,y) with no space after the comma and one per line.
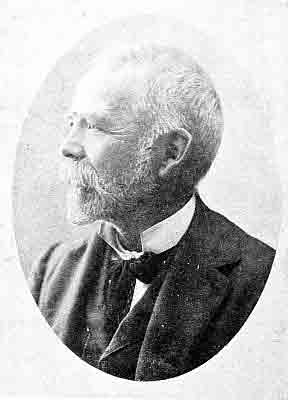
(33,35)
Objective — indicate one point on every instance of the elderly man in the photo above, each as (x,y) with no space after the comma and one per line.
(164,282)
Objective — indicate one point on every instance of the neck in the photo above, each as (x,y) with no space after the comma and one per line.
(131,224)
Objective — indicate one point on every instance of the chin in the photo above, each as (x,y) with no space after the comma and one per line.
(79,209)
(84,208)
(76,216)
(79,220)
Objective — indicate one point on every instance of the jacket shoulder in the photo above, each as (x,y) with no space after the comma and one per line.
(60,255)
(247,264)
(232,238)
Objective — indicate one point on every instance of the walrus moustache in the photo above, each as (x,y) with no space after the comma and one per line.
(82,174)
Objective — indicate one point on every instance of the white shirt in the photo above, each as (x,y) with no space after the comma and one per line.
(158,238)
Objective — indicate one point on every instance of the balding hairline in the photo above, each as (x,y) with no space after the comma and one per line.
(177,93)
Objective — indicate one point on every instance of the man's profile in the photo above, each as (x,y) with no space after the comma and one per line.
(163,283)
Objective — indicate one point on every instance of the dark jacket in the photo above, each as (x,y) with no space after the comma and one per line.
(210,284)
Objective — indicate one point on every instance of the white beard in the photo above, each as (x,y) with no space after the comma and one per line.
(74,203)
(91,198)
(88,206)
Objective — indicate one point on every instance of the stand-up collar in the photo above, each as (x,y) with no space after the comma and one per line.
(158,238)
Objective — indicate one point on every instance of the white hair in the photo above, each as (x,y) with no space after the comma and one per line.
(175,93)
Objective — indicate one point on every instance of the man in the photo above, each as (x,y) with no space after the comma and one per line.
(164,282)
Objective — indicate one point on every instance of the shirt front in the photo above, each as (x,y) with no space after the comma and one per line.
(158,238)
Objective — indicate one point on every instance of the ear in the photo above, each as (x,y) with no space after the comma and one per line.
(176,146)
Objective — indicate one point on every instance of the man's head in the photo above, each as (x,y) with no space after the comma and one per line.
(145,126)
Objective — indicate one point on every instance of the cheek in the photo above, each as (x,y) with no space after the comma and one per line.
(97,148)
(109,154)
(122,157)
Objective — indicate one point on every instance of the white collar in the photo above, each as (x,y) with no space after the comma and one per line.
(158,238)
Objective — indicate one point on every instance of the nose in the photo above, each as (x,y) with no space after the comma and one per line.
(73,149)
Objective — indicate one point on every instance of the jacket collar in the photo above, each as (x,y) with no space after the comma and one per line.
(180,303)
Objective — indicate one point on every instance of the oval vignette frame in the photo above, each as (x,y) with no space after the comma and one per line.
(36,177)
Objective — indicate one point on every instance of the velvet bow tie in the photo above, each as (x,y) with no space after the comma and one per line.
(146,267)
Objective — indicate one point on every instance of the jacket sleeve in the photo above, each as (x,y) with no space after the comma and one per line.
(38,271)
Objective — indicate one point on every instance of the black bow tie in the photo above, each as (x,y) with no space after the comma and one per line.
(146,267)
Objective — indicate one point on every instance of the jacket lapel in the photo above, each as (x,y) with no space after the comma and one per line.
(170,318)
(186,303)
(132,328)
(69,320)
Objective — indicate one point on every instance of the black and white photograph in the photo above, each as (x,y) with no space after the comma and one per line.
(147,212)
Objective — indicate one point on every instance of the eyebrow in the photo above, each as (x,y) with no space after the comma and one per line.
(101,123)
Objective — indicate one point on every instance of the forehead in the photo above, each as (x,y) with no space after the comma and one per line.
(88,96)
(101,90)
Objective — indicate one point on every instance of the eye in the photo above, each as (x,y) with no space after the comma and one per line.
(91,126)
(69,121)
